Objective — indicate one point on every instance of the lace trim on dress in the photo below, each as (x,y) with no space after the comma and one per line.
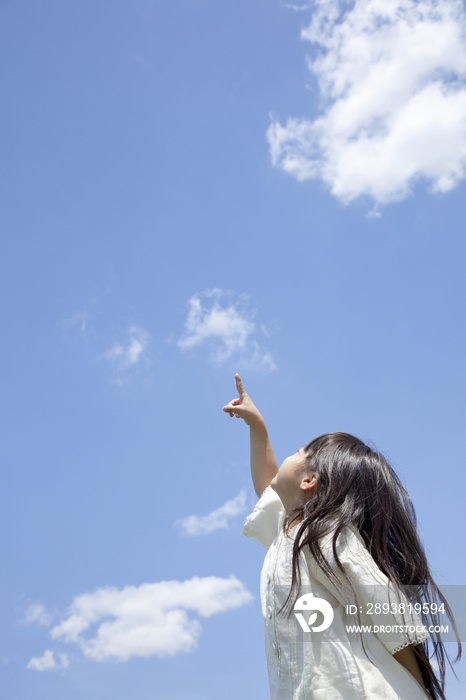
(418,640)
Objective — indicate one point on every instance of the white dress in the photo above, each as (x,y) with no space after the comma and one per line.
(304,665)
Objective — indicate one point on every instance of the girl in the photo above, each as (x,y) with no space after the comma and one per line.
(341,536)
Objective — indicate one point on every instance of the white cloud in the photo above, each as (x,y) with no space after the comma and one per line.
(227,328)
(37,613)
(154,619)
(297,8)
(129,354)
(391,75)
(49,662)
(126,356)
(219,518)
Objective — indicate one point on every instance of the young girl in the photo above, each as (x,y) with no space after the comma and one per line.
(340,531)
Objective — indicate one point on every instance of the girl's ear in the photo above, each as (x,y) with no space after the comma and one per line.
(310,482)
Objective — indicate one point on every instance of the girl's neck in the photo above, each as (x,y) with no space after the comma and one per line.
(297,521)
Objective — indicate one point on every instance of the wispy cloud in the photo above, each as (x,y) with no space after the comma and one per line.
(391,77)
(227,328)
(154,619)
(37,613)
(217,519)
(49,662)
(125,356)
(79,320)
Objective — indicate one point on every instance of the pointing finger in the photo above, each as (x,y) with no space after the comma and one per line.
(239,385)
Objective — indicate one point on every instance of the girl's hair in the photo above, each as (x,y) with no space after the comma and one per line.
(356,485)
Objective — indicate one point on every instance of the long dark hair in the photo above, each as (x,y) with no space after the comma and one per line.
(356,485)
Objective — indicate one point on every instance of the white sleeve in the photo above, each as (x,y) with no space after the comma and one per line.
(382,604)
(266,520)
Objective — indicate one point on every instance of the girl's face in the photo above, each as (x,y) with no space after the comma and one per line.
(292,482)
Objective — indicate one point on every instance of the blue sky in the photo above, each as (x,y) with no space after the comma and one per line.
(190,190)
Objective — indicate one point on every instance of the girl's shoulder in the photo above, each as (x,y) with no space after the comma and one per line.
(349,538)
(352,553)
(349,543)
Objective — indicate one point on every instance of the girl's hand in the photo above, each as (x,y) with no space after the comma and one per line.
(243,407)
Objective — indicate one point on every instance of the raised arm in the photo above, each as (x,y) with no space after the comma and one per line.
(263,462)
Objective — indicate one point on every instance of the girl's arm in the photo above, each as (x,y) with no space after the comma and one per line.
(263,462)
(407,658)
